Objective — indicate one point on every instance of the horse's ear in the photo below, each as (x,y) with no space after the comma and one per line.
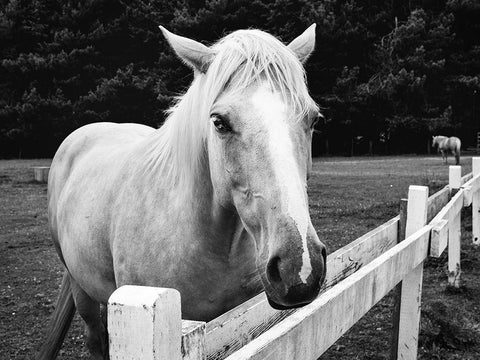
(195,54)
(303,45)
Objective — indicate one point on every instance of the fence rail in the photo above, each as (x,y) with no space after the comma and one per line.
(359,275)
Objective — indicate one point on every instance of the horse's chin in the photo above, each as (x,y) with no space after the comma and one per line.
(278,306)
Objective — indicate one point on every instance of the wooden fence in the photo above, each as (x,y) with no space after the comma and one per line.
(145,323)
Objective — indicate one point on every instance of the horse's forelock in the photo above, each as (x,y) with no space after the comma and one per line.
(246,57)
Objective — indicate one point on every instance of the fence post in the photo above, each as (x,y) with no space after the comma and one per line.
(397,295)
(40,173)
(476,204)
(411,293)
(144,323)
(454,229)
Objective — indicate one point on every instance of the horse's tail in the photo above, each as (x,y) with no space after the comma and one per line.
(60,323)
(457,152)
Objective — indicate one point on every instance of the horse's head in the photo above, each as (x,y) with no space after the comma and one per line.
(434,141)
(258,122)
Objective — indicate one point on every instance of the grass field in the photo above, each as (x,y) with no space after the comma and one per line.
(348,197)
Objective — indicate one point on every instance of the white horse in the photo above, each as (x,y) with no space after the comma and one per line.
(448,145)
(213,203)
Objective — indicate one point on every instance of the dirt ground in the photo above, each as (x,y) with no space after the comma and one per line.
(348,197)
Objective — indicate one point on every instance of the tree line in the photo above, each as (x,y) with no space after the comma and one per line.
(387,74)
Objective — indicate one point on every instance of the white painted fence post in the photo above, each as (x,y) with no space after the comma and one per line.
(409,321)
(144,323)
(476,204)
(454,229)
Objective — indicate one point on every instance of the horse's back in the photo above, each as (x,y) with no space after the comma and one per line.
(97,136)
(452,143)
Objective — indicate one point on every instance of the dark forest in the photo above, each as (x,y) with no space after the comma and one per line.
(387,74)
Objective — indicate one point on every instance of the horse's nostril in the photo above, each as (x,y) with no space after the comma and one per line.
(324,253)
(273,272)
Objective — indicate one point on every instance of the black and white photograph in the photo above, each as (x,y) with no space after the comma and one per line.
(240,180)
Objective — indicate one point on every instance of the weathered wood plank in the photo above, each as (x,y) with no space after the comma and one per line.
(455,205)
(471,187)
(449,212)
(227,334)
(237,327)
(439,238)
(193,340)
(437,201)
(308,332)
(358,253)
(144,323)
(410,304)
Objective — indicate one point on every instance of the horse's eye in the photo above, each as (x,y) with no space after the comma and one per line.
(221,124)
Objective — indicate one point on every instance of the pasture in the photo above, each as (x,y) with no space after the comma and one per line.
(348,197)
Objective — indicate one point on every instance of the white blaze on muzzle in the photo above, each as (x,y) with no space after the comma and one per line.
(271,109)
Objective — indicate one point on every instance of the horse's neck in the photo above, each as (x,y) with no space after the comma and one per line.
(224,237)
(222,230)
(219,229)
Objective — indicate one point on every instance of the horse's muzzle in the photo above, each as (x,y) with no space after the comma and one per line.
(285,291)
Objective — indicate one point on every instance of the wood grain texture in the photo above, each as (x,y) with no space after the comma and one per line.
(411,298)
(193,340)
(437,201)
(416,208)
(239,326)
(144,323)
(454,206)
(312,329)
(439,238)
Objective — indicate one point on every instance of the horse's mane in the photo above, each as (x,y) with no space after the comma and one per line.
(242,58)
(438,138)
